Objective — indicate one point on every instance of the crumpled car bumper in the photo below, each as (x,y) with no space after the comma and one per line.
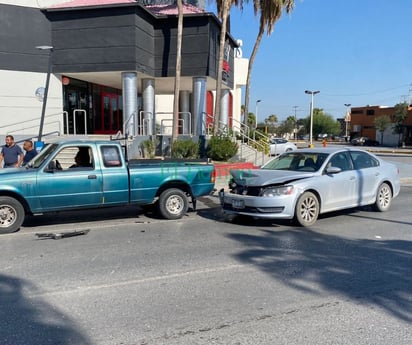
(281,207)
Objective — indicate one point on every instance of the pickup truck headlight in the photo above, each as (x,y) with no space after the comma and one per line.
(277,191)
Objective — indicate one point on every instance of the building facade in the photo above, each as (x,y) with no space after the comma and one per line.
(362,124)
(112,67)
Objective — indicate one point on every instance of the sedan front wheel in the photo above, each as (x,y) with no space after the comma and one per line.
(307,209)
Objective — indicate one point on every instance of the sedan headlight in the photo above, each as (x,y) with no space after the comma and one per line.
(277,191)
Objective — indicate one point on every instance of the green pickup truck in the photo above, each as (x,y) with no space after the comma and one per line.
(82,174)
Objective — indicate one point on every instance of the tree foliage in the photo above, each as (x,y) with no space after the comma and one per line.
(322,123)
(381,124)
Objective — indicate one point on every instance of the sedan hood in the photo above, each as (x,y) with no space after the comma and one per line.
(262,177)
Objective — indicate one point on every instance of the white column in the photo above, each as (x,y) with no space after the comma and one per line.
(199,105)
(148,118)
(129,89)
(224,109)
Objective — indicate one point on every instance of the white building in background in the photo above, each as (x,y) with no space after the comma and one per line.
(86,86)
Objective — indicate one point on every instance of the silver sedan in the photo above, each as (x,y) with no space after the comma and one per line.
(280,145)
(302,184)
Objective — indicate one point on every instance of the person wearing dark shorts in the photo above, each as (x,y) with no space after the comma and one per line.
(11,154)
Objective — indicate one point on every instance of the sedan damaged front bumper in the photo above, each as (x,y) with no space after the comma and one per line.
(279,207)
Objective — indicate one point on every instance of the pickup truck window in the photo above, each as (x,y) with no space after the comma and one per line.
(111,156)
(74,157)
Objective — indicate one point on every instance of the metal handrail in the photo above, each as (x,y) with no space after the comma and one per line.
(182,121)
(75,113)
(126,124)
(162,127)
(141,129)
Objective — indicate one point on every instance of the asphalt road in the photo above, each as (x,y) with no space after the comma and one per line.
(135,279)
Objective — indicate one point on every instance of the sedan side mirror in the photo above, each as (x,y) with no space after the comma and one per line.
(333,170)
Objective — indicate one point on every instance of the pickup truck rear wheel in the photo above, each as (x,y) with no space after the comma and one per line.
(11,215)
(173,203)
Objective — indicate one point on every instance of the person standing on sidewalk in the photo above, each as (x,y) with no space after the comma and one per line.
(11,154)
(30,151)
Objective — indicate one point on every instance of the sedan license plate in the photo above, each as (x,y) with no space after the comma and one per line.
(238,204)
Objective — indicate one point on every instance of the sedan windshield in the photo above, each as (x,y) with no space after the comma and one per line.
(297,161)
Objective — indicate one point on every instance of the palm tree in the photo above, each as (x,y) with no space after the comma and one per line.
(223,9)
(270,13)
(175,130)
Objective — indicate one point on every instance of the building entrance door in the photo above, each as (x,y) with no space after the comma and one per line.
(110,119)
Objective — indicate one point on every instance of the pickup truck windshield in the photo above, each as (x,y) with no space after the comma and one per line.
(42,156)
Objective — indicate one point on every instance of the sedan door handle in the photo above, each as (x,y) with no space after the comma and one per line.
(92,177)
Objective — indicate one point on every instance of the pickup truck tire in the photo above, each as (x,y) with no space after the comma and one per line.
(173,203)
(11,215)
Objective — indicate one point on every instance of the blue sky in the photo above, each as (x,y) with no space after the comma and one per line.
(352,51)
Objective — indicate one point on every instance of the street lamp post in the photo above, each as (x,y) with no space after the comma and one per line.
(347,120)
(46,90)
(311,93)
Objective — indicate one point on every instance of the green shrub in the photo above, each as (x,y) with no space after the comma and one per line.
(148,148)
(185,149)
(221,148)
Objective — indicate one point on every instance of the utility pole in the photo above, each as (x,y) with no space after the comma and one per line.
(296,122)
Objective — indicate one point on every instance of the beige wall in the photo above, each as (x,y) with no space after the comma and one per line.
(19,107)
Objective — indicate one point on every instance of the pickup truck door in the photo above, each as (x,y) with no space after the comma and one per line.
(115,176)
(69,187)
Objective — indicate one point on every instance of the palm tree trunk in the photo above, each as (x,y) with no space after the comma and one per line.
(216,118)
(175,129)
(249,72)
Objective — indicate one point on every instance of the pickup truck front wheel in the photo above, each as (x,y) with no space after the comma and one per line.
(11,215)
(173,203)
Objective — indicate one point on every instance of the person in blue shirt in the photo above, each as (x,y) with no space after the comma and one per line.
(11,154)
(30,152)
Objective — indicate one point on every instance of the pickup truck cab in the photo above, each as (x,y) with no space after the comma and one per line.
(81,174)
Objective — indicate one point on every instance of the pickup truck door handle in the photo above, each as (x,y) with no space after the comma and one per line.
(92,177)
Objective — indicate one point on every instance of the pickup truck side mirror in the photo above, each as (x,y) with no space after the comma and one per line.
(51,167)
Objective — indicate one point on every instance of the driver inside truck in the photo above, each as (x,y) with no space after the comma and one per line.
(82,159)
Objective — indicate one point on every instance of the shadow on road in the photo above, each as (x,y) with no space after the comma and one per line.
(32,321)
(375,272)
(84,216)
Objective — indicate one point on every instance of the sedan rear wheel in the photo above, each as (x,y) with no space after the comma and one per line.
(307,209)
(383,198)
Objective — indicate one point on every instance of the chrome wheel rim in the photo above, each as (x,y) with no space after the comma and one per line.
(175,204)
(308,209)
(384,197)
(7,216)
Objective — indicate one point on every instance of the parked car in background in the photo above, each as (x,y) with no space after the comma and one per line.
(302,184)
(280,145)
(364,141)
